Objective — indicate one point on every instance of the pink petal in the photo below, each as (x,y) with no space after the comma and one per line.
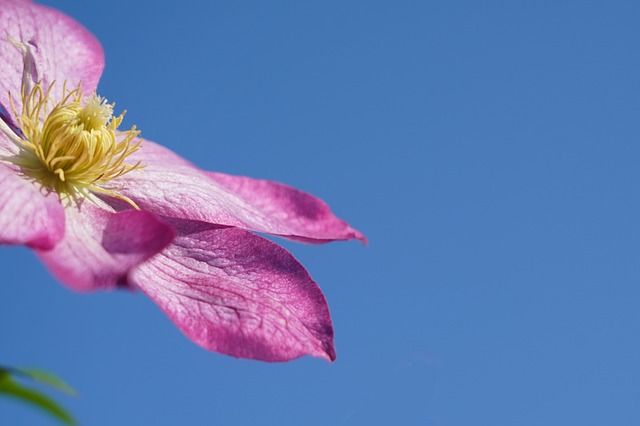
(63,50)
(170,186)
(236,293)
(309,216)
(100,247)
(28,215)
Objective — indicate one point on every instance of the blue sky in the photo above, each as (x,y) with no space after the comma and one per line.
(489,151)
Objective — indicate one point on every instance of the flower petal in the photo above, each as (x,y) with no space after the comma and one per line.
(308,216)
(27,215)
(100,247)
(170,186)
(61,50)
(236,293)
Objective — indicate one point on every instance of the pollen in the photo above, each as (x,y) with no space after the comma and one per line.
(73,146)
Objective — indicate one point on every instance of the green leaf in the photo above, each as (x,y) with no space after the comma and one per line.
(11,388)
(46,378)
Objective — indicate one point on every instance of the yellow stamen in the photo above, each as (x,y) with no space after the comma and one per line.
(73,147)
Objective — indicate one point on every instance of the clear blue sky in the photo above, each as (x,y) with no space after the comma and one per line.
(490,152)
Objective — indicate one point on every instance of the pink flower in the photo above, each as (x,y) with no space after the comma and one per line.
(104,209)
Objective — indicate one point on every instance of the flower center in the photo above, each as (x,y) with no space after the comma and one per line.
(74,148)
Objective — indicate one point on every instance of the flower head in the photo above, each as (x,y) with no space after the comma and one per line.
(104,208)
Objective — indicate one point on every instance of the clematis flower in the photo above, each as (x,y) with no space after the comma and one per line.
(104,209)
